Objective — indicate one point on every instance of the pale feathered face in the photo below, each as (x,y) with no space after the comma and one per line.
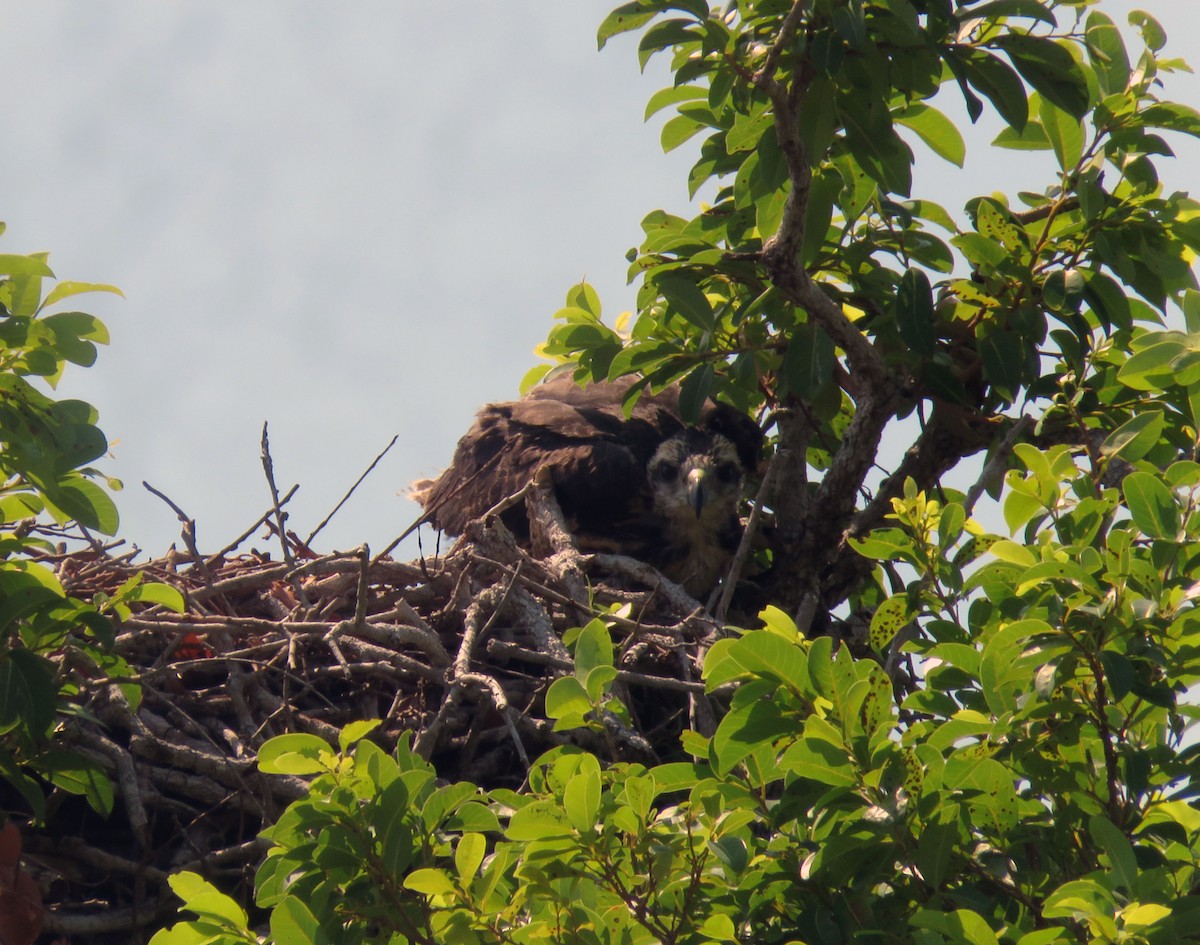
(696,481)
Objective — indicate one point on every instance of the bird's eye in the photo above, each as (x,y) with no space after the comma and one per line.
(667,473)
(727,472)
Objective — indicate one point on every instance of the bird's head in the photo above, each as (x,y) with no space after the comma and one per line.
(696,479)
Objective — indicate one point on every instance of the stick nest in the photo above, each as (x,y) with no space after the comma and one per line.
(457,650)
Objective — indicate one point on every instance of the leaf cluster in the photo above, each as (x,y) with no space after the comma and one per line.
(47,484)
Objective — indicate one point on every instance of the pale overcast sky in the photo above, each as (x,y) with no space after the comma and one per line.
(350,220)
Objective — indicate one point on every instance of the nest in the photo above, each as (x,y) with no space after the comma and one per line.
(458,650)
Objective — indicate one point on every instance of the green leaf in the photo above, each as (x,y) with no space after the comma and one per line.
(694,390)
(67,289)
(76,498)
(679,130)
(884,544)
(468,855)
(1031,9)
(598,681)
(79,775)
(1003,362)
(936,130)
(627,17)
(1106,51)
(296,753)
(430,881)
(29,790)
(1079,899)
(808,362)
(889,618)
(1065,133)
(356,731)
(914,312)
(1173,116)
(678,776)
(950,525)
(539,820)
(162,594)
(818,760)
(936,845)
(1151,368)
(718,928)
(745,730)
(204,899)
(1050,68)
(1153,35)
(1120,852)
(875,145)
(1030,138)
(593,647)
(1107,299)
(473,816)
(1007,665)
(665,34)
(982,252)
(32,265)
(672,95)
(390,819)
(1045,571)
(585,298)
(818,215)
(581,799)
(996,80)
(748,130)
(293,922)
(1151,505)
(27,692)
(568,702)
(960,925)
(684,297)
(23,294)
(1134,438)
(759,654)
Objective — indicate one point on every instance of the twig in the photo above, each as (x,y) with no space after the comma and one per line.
(429,511)
(189,527)
(262,519)
(280,516)
(996,462)
(357,483)
(360,606)
(749,533)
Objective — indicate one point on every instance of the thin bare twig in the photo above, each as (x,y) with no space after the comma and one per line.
(749,534)
(189,526)
(357,482)
(214,559)
(280,516)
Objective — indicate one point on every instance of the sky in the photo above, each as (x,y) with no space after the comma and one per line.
(350,221)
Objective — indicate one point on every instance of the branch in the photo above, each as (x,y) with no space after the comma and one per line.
(748,536)
(189,526)
(269,470)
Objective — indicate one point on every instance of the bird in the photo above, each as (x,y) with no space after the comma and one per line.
(646,485)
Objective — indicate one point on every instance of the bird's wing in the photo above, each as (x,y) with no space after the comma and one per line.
(596,462)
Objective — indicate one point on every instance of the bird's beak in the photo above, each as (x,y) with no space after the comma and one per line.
(695,489)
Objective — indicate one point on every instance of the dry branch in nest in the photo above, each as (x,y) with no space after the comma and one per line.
(458,650)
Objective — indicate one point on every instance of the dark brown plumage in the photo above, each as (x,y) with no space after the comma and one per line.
(647,486)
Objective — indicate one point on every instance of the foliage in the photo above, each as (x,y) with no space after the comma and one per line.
(1003,758)
(806,287)
(48,445)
